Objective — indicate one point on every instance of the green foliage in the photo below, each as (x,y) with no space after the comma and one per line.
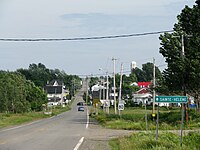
(35,96)
(18,95)
(192,139)
(166,141)
(134,119)
(12,119)
(146,74)
(16,119)
(183,71)
(93,81)
(40,75)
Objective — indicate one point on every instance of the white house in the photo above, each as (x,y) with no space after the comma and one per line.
(56,92)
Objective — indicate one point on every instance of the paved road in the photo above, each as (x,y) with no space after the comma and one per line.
(68,131)
(62,132)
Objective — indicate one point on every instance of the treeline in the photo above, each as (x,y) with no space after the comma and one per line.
(22,90)
(19,95)
(40,75)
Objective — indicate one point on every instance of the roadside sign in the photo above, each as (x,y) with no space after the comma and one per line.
(121,106)
(171,99)
(106,103)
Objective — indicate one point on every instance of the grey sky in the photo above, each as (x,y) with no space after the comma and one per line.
(84,18)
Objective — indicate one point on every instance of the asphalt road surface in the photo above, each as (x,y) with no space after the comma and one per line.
(62,132)
(71,130)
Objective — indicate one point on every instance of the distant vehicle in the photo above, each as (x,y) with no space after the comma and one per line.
(80,104)
(81,108)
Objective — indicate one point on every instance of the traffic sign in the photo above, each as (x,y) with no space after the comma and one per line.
(121,106)
(171,99)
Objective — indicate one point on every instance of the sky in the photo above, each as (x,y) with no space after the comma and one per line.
(84,18)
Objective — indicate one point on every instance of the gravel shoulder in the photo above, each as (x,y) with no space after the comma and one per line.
(97,137)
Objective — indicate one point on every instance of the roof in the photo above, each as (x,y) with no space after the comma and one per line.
(55,83)
(97,87)
(144,84)
(142,91)
(147,95)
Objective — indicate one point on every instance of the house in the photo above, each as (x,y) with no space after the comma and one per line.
(98,93)
(56,92)
(142,96)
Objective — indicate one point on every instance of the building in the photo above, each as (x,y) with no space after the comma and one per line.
(56,92)
(142,96)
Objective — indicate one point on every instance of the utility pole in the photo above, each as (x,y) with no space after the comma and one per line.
(183,87)
(183,78)
(114,88)
(86,91)
(120,86)
(154,85)
(107,88)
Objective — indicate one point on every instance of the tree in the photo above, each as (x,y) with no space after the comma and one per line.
(12,93)
(148,71)
(146,74)
(139,74)
(40,75)
(18,95)
(183,72)
(35,96)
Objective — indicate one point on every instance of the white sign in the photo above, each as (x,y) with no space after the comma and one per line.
(106,103)
(121,107)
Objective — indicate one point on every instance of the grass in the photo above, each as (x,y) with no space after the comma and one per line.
(166,141)
(134,119)
(10,119)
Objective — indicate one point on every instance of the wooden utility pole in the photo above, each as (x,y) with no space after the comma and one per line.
(114,86)
(154,85)
(86,91)
(107,88)
(120,86)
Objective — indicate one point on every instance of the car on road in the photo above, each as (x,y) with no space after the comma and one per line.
(80,104)
(81,108)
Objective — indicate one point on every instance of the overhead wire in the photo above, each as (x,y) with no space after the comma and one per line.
(82,38)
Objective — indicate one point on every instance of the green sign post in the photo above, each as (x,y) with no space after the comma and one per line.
(171,99)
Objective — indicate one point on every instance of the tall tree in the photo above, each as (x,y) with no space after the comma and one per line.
(183,71)
(146,74)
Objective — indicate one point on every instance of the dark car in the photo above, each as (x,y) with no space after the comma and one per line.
(80,104)
(81,108)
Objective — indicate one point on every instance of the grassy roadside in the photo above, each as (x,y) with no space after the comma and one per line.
(134,119)
(10,119)
(166,141)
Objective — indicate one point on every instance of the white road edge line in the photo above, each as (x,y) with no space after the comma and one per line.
(19,126)
(87,120)
(79,143)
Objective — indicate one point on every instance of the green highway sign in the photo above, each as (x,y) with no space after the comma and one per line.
(171,99)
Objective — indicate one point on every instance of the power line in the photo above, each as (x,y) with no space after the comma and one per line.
(82,38)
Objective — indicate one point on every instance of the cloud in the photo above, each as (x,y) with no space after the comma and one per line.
(99,23)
